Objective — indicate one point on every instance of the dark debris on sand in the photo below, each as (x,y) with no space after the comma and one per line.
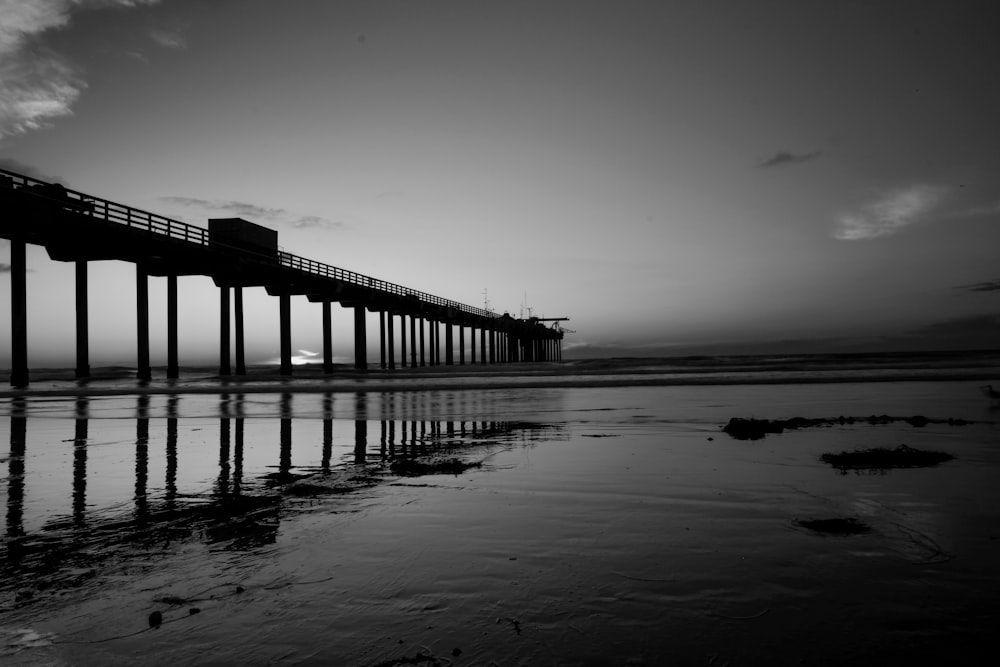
(880,458)
(846,526)
(755,429)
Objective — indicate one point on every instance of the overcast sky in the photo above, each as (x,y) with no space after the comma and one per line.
(669,175)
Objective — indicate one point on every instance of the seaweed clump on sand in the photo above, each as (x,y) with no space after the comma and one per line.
(752,429)
(412,468)
(847,526)
(880,458)
(755,429)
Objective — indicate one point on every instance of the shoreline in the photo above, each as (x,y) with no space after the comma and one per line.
(396,381)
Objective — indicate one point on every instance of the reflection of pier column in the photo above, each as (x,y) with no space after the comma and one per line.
(327,338)
(360,428)
(241,361)
(15,469)
(173,366)
(327,433)
(18,314)
(80,463)
(360,339)
(82,325)
(224,356)
(238,458)
(141,459)
(222,485)
(170,482)
(285,325)
(285,437)
(143,371)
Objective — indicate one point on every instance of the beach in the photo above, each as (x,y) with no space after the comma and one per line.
(504,517)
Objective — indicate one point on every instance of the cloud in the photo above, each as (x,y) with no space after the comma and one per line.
(988,286)
(783,158)
(168,38)
(11,164)
(236,208)
(254,212)
(314,221)
(889,212)
(37,84)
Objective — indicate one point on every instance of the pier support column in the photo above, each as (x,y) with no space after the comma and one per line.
(381,339)
(461,344)
(173,367)
(143,371)
(82,324)
(413,341)
(482,345)
(472,347)
(422,341)
(402,340)
(327,338)
(241,358)
(18,315)
(449,352)
(392,343)
(225,367)
(430,342)
(493,346)
(285,326)
(360,341)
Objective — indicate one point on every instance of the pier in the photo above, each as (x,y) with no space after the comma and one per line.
(238,254)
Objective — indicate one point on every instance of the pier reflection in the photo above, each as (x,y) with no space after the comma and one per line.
(221,480)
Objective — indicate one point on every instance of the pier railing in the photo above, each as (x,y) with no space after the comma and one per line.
(109,211)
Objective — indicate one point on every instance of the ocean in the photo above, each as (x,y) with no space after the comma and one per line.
(583,512)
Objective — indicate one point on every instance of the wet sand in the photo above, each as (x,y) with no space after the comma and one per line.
(595,525)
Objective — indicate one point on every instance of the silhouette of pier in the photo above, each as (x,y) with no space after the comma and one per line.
(236,254)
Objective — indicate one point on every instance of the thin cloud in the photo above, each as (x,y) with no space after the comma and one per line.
(250,211)
(314,221)
(237,208)
(784,158)
(988,286)
(890,212)
(168,39)
(37,84)
(11,164)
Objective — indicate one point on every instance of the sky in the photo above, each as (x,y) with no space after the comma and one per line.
(674,177)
